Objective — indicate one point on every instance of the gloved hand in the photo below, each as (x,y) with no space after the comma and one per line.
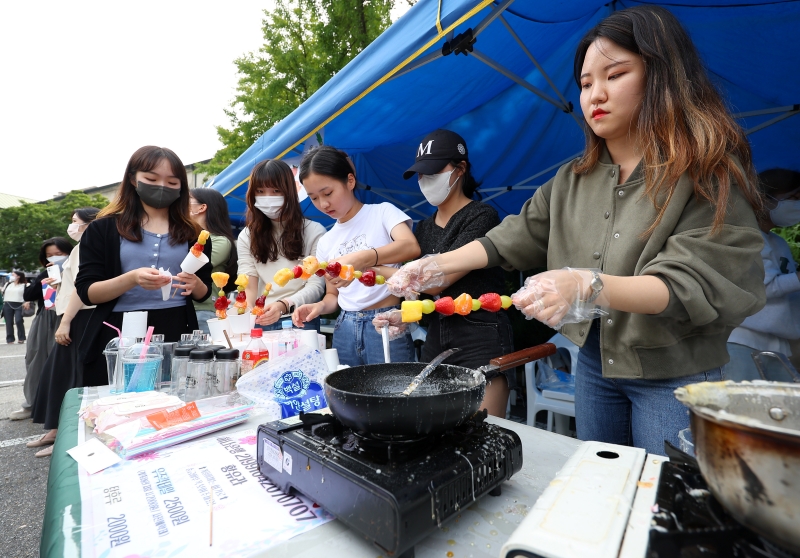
(416,277)
(393,319)
(558,297)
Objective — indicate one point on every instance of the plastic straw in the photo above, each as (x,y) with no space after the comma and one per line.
(119,333)
(138,370)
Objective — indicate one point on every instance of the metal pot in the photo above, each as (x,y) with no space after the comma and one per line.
(747,443)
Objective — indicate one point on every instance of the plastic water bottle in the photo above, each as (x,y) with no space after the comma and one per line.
(288,339)
(255,352)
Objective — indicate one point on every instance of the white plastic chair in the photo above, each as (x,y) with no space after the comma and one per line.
(559,405)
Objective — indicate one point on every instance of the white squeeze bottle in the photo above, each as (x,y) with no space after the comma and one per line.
(255,353)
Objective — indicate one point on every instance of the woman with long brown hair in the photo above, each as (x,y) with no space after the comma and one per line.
(145,228)
(650,237)
(277,236)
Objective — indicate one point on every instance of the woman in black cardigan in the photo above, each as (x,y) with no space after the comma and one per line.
(122,250)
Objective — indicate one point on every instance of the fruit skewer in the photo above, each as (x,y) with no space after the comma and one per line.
(221,304)
(312,266)
(412,310)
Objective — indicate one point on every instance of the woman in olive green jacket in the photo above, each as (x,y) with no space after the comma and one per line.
(655,223)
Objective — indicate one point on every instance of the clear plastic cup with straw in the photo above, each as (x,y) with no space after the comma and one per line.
(141,365)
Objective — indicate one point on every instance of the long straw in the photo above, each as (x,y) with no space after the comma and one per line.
(115,328)
(138,370)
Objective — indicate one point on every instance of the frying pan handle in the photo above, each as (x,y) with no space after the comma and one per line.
(521,357)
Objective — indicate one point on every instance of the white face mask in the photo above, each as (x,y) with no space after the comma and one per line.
(74,231)
(270,205)
(786,213)
(56,259)
(436,187)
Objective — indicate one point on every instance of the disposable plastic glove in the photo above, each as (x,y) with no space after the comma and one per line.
(558,297)
(416,277)
(392,318)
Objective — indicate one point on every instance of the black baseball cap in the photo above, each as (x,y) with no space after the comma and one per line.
(436,150)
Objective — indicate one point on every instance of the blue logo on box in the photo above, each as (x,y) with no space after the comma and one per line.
(295,392)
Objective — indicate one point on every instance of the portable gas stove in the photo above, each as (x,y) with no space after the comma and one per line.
(394,491)
(615,501)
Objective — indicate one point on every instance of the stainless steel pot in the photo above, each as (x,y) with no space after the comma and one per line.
(747,443)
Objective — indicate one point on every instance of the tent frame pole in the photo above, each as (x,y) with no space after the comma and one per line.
(539,67)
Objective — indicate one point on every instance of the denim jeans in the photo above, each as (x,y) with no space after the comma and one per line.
(277,326)
(202,319)
(12,313)
(629,412)
(357,342)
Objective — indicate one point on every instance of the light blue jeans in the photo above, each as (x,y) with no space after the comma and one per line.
(277,326)
(357,342)
(640,413)
(202,319)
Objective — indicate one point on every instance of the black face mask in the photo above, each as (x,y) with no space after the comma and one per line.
(158,197)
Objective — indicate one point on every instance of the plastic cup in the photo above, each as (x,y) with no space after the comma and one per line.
(218,327)
(150,369)
(331,357)
(240,323)
(686,441)
(308,337)
(191,263)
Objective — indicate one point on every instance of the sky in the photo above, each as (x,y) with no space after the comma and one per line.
(86,83)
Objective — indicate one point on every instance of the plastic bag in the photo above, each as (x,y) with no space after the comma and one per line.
(288,384)
(551,379)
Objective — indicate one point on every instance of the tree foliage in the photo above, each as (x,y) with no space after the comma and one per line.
(23,228)
(792,236)
(305,43)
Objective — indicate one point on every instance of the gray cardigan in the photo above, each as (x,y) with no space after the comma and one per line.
(590,221)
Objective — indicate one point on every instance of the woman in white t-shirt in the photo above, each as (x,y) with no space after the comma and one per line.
(365,235)
(12,306)
(277,236)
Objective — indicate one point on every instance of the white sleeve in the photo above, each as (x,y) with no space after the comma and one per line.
(391,216)
(246,263)
(311,235)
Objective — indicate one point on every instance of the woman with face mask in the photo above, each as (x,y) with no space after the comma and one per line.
(443,171)
(277,236)
(773,328)
(40,340)
(210,211)
(146,227)
(61,371)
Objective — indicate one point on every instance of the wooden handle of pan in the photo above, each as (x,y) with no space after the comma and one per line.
(521,357)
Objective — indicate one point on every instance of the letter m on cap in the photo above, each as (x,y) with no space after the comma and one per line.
(424,149)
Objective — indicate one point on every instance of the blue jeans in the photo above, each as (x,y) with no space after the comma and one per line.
(629,412)
(357,342)
(277,326)
(202,319)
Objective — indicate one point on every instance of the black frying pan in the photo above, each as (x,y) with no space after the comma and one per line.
(369,398)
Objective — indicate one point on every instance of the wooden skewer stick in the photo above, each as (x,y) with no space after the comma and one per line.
(211,518)
(227,339)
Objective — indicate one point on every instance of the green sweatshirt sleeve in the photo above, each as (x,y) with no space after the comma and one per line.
(520,241)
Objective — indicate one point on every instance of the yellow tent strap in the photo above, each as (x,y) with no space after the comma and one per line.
(441,33)
(439,18)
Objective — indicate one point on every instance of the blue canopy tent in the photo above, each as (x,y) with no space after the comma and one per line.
(512,95)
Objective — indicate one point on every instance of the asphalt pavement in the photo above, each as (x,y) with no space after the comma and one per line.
(23,478)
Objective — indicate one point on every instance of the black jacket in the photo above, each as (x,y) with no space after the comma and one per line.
(33,292)
(100,261)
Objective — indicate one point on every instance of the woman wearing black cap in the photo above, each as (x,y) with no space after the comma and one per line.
(445,179)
